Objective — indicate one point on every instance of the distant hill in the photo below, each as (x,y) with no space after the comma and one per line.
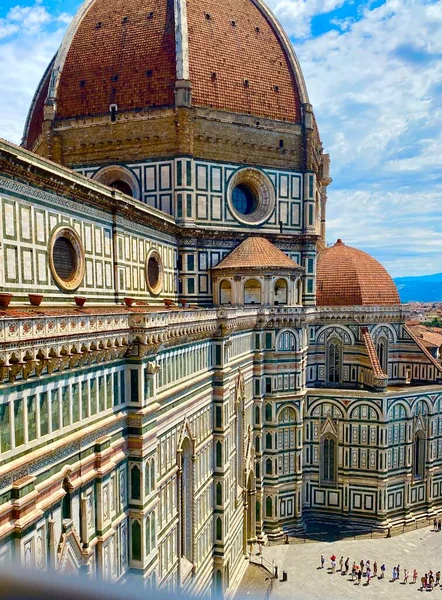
(427,288)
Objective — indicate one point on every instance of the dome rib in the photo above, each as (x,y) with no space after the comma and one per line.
(347,276)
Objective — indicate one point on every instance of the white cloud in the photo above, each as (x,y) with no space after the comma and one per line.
(376,88)
(31,37)
(296,15)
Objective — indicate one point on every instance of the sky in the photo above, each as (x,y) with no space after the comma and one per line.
(373,70)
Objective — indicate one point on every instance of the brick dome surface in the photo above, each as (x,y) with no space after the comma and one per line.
(125,52)
(347,276)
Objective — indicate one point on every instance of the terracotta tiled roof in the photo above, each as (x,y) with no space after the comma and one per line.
(120,55)
(258,253)
(237,63)
(123,52)
(423,348)
(348,277)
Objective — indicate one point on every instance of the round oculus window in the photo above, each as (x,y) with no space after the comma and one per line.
(154,272)
(66,258)
(251,196)
(244,199)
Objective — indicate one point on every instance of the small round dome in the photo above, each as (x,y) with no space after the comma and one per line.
(350,277)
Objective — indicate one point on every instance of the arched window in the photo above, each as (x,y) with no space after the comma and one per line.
(219,454)
(268,412)
(268,441)
(328,458)
(219,493)
(148,547)
(258,511)
(382,352)
(287,341)
(152,531)
(218,584)
(135,483)
(257,415)
(219,529)
(152,475)
(334,361)
(225,292)
(252,292)
(419,449)
(269,506)
(257,470)
(281,292)
(269,468)
(66,502)
(257,444)
(136,540)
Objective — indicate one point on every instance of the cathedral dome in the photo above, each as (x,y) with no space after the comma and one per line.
(132,54)
(347,276)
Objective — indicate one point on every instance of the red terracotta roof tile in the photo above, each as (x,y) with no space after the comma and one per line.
(347,277)
(259,253)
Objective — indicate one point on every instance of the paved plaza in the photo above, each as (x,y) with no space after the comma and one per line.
(421,549)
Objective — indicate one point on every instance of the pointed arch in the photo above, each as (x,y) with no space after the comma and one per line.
(334,360)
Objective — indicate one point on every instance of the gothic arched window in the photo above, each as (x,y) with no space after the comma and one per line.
(135,483)
(328,458)
(382,352)
(287,341)
(334,361)
(269,468)
(419,448)
(269,506)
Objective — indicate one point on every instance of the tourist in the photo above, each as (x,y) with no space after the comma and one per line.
(424,581)
(405,576)
(346,564)
(353,572)
(439,525)
(394,575)
(368,575)
(398,569)
(414,575)
(359,576)
(322,561)
(383,569)
(375,569)
(431,580)
(437,577)
(341,563)
(361,564)
(435,525)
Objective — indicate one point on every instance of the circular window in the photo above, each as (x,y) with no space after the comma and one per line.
(251,196)
(244,200)
(66,258)
(154,272)
(119,178)
(122,186)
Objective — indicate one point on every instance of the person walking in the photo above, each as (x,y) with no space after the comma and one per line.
(431,580)
(375,569)
(398,569)
(423,582)
(341,563)
(353,572)
(361,565)
(437,577)
(405,576)
(414,575)
(359,576)
(347,562)
(322,561)
(383,569)
(435,525)
(394,574)
(439,525)
(368,575)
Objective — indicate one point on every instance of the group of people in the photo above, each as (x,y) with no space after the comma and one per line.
(366,570)
(437,525)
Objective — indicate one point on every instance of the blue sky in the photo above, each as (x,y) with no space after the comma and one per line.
(373,70)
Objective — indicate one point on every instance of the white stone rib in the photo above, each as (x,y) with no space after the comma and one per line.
(181,39)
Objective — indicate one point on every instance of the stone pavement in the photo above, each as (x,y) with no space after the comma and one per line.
(421,549)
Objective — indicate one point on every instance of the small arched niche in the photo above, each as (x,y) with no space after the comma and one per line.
(252,292)
(280,292)
(225,292)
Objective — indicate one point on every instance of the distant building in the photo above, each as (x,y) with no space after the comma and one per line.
(171,156)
